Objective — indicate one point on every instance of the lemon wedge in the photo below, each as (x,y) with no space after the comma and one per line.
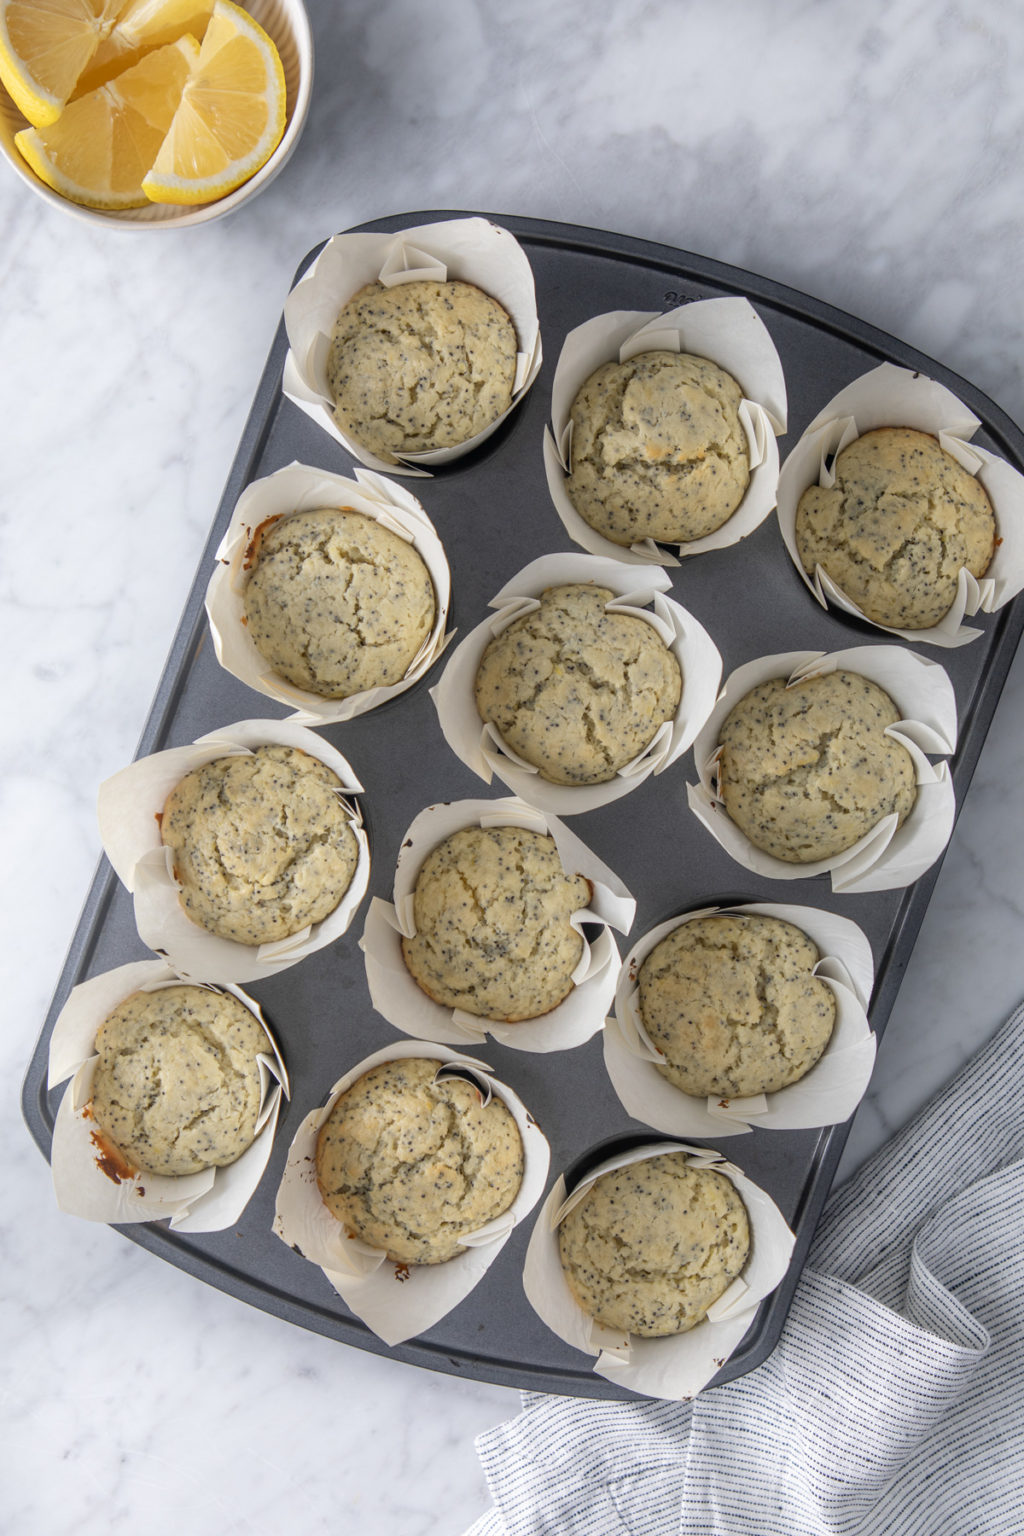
(139,26)
(231,116)
(100,148)
(44,47)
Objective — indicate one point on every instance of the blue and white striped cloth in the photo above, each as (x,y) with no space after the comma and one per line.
(894,1402)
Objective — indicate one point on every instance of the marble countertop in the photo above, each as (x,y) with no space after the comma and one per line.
(869,155)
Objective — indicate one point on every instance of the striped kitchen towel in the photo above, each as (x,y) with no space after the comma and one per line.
(893,1404)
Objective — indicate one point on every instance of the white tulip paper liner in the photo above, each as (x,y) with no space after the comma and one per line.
(482,748)
(404,1004)
(727,331)
(889,396)
(828,1094)
(301,488)
(679,1366)
(887,857)
(199,1202)
(129,806)
(398,1301)
(471,250)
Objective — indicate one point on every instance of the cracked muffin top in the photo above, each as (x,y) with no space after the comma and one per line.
(651,1246)
(806,768)
(336,602)
(492,909)
(261,842)
(894,532)
(575,689)
(658,449)
(420,366)
(412,1165)
(733,1005)
(177,1087)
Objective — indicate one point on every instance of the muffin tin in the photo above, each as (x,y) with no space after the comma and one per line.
(493,513)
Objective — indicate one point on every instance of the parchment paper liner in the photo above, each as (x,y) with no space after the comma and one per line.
(131,801)
(198,1202)
(828,1094)
(361,1275)
(469,250)
(884,858)
(404,1004)
(896,397)
(301,488)
(727,331)
(482,748)
(676,1367)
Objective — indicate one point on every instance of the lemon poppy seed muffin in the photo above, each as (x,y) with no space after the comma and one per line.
(734,1006)
(577,690)
(652,1246)
(412,1165)
(894,531)
(658,449)
(177,1086)
(806,768)
(336,602)
(419,366)
(492,909)
(261,842)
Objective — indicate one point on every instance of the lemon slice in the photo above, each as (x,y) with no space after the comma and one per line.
(139,26)
(231,116)
(102,145)
(44,47)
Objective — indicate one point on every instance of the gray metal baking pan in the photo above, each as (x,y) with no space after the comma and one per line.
(493,513)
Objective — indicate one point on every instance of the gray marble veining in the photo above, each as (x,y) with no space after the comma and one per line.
(869,154)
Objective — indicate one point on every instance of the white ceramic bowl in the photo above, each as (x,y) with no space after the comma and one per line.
(286,22)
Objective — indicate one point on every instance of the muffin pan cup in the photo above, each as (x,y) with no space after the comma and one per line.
(396,995)
(900,397)
(887,856)
(828,1093)
(680,1365)
(91,1184)
(471,250)
(363,1276)
(727,331)
(130,804)
(302,488)
(639,593)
